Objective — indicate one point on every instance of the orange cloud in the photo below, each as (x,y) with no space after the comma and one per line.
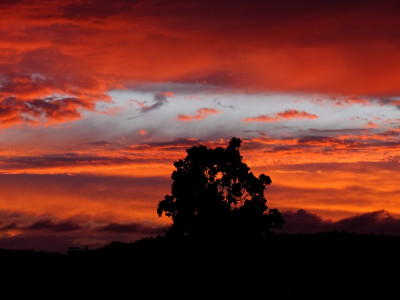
(96,198)
(112,187)
(201,114)
(343,101)
(59,58)
(142,132)
(285,115)
(371,124)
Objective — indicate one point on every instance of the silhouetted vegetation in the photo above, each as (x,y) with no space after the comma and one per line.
(279,266)
(214,193)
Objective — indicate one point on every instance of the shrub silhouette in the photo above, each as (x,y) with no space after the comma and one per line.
(213,193)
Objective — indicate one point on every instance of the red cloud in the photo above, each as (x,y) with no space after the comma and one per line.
(396,102)
(285,115)
(33,90)
(201,114)
(13,110)
(352,101)
(83,50)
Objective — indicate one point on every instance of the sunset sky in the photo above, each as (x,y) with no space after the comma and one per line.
(99,98)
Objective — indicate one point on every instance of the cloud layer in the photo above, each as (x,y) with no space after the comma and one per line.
(81,51)
(49,233)
(376,222)
(98,99)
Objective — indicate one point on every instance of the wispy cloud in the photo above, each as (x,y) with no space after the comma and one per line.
(48,224)
(142,228)
(284,115)
(201,114)
(160,99)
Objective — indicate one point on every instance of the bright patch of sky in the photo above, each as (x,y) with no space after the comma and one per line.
(148,115)
(234,108)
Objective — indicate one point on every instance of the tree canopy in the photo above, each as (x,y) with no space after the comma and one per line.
(214,192)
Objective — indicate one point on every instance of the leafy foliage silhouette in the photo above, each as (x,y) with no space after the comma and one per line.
(213,193)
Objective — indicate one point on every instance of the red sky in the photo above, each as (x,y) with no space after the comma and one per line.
(99,98)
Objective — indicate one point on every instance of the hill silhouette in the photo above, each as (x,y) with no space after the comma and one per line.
(279,265)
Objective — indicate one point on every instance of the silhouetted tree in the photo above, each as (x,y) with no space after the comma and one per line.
(214,192)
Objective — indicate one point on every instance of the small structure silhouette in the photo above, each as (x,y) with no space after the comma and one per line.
(73,250)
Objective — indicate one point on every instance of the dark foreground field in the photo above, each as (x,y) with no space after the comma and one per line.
(278,266)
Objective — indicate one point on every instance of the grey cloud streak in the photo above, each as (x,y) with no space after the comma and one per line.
(159,100)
